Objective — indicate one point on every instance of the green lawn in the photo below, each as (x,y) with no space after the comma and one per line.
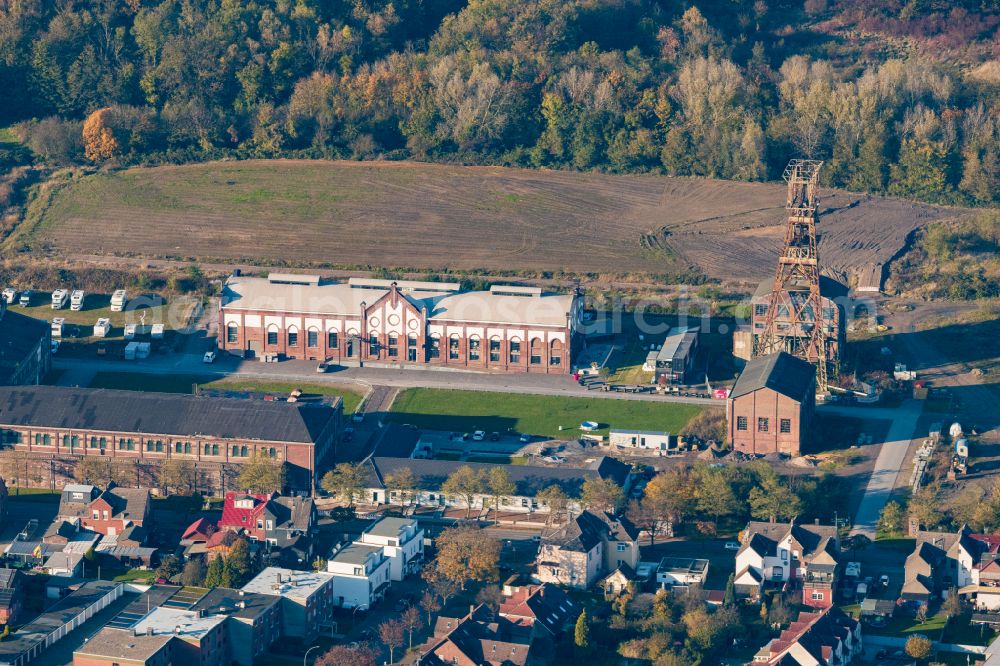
(98,306)
(136,381)
(628,363)
(42,495)
(135,575)
(907,626)
(464,411)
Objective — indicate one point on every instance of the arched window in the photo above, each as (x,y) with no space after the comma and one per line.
(411,347)
(495,349)
(187,447)
(435,345)
(236,451)
(243,451)
(475,346)
(453,346)
(331,339)
(312,337)
(177,447)
(272,335)
(215,449)
(232,333)
(536,351)
(514,350)
(555,352)
(273,452)
(293,336)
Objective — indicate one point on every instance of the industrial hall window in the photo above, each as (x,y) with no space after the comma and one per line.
(331,339)
(762,423)
(474,345)
(393,345)
(411,348)
(435,349)
(494,350)
(785,425)
(293,337)
(515,351)
(453,347)
(741,423)
(312,338)
(373,345)
(232,333)
(272,336)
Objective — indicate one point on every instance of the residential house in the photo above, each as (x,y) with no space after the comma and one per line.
(360,575)
(771,405)
(253,621)
(681,572)
(430,475)
(478,639)
(781,553)
(306,599)
(282,523)
(10,595)
(402,542)
(586,547)
(828,637)
(964,560)
(112,511)
(546,609)
(195,538)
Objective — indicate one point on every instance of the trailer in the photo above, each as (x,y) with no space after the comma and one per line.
(156,332)
(59,299)
(76,300)
(118,300)
(57,326)
(102,328)
(25,299)
(9,295)
(129,331)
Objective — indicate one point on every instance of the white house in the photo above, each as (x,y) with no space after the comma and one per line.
(402,542)
(682,571)
(360,575)
(644,440)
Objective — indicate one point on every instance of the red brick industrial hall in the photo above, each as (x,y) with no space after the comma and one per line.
(400,323)
(771,405)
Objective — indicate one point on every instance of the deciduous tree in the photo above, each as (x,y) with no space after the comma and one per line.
(262,474)
(465,483)
(467,553)
(402,481)
(346,481)
(391,634)
(601,494)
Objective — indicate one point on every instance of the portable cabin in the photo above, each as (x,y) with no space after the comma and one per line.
(102,328)
(57,326)
(25,299)
(9,295)
(118,300)
(76,300)
(156,331)
(129,331)
(59,299)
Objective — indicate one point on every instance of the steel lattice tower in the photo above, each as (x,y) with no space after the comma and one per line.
(794,321)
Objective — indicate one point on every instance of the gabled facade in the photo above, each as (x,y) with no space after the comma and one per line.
(280,522)
(941,561)
(546,609)
(112,512)
(478,639)
(582,550)
(828,637)
(402,543)
(779,553)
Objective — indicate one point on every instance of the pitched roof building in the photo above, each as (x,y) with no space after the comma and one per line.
(586,547)
(545,608)
(478,639)
(826,638)
(775,553)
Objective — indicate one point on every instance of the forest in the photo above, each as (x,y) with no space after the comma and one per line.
(899,97)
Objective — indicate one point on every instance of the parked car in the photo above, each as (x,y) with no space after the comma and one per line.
(478,435)
(209,357)
(732,545)
(494,437)
(525,438)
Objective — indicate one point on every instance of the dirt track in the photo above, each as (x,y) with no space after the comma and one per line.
(433,216)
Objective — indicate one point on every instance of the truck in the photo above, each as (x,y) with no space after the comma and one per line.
(59,299)
(9,295)
(118,300)
(76,300)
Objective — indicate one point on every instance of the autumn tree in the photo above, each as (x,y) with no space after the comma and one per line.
(403,482)
(555,499)
(581,633)
(465,483)
(170,566)
(771,499)
(412,621)
(346,655)
(601,494)
(261,474)
(924,507)
(670,496)
(193,574)
(99,142)
(500,485)
(890,520)
(467,553)
(391,634)
(919,648)
(430,604)
(178,475)
(346,481)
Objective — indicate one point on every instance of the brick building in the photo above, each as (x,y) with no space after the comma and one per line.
(25,347)
(112,512)
(771,405)
(400,323)
(58,425)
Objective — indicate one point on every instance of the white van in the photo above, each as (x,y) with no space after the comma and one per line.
(76,301)
(59,299)
(118,300)
(57,326)
(9,295)
(102,327)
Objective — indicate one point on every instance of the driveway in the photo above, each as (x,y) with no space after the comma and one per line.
(891,457)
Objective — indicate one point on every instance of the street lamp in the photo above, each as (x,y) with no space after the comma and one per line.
(306,655)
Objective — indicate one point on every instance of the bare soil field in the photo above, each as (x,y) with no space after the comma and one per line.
(401,214)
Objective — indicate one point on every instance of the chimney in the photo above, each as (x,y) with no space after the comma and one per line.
(177,629)
(241,593)
(817,521)
(279,578)
(241,604)
(199,613)
(149,631)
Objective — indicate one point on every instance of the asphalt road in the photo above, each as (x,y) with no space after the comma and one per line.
(305,371)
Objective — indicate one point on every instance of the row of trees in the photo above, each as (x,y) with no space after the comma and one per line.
(347,481)
(930,509)
(579,84)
